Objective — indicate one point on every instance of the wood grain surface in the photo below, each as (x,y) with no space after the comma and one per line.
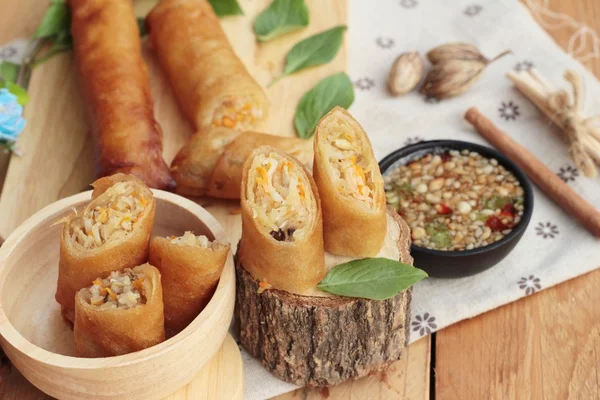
(543,346)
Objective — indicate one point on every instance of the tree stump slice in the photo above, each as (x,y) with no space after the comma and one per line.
(323,340)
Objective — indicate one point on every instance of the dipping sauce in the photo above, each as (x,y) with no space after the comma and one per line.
(457,200)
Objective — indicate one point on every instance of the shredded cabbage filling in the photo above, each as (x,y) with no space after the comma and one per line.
(189,239)
(112,220)
(280,196)
(120,290)
(352,172)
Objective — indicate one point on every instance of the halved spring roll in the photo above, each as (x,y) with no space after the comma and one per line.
(190,267)
(211,163)
(115,83)
(282,229)
(119,314)
(112,232)
(211,83)
(350,185)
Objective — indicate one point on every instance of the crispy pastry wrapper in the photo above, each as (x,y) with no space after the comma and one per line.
(351,226)
(78,266)
(211,163)
(268,259)
(115,84)
(211,83)
(116,331)
(190,275)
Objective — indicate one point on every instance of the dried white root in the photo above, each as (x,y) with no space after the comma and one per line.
(581,133)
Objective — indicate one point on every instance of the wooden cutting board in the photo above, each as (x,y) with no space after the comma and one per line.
(58,150)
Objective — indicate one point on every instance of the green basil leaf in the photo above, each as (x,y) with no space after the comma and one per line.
(335,90)
(282,16)
(9,71)
(55,20)
(63,38)
(315,50)
(224,8)
(142,26)
(371,278)
(19,92)
(55,49)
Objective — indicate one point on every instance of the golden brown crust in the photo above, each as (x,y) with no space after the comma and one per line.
(100,185)
(78,267)
(189,278)
(350,229)
(211,162)
(112,332)
(193,166)
(201,65)
(227,175)
(268,259)
(116,88)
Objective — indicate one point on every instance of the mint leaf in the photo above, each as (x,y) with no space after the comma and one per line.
(371,278)
(224,8)
(55,20)
(315,50)
(282,16)
(335,90)
(9,71)
(19,92)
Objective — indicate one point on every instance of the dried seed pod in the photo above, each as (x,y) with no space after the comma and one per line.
(456,67)
(406,73)
(455,51)
(451,78)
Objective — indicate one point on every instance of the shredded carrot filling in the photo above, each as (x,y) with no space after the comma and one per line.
(119,290)
(262,286)
(236,113)
(120,208)
(279,197)
(350,170)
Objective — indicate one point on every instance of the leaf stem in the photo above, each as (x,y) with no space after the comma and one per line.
(275,80)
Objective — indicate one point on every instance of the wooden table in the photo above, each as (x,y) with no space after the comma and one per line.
(544,346)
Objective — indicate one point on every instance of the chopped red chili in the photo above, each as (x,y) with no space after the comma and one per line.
(495,224)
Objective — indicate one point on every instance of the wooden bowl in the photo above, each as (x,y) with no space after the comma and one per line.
(40,344)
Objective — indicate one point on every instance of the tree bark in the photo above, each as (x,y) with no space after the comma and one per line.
(322,341)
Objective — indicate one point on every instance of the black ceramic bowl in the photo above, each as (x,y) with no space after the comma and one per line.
(454,264)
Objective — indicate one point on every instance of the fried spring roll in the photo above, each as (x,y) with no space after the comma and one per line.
(211,83)
(112,232)
(350,185)
(190,267)
(282,228)
(211,163)
(114,79)
(120,314)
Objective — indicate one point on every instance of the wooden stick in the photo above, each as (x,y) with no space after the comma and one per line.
(539,173)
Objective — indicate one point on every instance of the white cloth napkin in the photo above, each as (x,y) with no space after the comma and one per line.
(555,247)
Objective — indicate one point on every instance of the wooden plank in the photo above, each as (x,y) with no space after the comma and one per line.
(544,346)
(220,378)
(407,379)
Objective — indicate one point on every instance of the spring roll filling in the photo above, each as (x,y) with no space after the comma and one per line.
(121,290)
(351,170)
(280,197)
(113,219)
(236,113)
(189,239)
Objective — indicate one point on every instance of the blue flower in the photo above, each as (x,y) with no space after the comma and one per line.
(12,122)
